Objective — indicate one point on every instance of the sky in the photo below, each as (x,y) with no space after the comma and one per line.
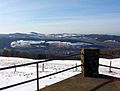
(60,16)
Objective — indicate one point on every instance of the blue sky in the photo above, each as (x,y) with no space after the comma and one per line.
(60,16)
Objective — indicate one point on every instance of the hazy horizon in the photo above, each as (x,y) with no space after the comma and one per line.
(64,16)
(61,33)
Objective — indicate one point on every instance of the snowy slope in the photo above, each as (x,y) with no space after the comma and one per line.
(11,76)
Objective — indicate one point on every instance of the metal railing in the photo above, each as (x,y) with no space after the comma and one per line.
(109,66)
(37,72)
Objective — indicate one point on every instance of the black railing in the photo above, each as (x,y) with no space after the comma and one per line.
(37,71)
(109,66)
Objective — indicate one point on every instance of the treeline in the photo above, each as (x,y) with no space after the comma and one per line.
(11,53)
(32,55)
(110,53)
(104,53)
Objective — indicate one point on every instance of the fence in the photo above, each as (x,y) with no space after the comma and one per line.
(37,71)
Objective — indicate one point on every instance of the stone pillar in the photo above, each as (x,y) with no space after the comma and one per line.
(90,62)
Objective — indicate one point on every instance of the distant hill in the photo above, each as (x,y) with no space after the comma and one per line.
(57,44)
(96,39)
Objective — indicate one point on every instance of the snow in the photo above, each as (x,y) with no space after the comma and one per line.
(105,70)
(29,43)
(111,41)
(23,43)
(12,76)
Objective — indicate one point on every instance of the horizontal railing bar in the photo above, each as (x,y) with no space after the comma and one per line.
(108,66)
(6,87)
(59,72)
(21,83)
(47,60)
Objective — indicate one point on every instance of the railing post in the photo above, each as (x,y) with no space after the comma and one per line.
(15,68)
(76,67)
(43,67)
(90,62)
(110,66)
(37,69)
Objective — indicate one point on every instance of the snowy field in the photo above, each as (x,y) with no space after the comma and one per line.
(12,76)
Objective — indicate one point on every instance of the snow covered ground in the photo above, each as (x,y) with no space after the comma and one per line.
(8,77)
(105,70)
